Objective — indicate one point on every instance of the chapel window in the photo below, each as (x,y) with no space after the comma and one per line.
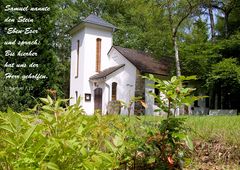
(98,55)
(114,91)
(78,48)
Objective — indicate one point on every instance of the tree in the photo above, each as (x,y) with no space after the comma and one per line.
(211,17)
(226,7)
(19,93)
(140,26)
(177,13)
(213,63)
(225,78)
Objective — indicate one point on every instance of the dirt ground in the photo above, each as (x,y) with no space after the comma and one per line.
(214,155)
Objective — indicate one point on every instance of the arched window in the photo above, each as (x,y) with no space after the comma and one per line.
(98,55)
(114,91)
(76,93)
(78,48)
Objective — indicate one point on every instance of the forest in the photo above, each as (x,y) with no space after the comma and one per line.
(200,37)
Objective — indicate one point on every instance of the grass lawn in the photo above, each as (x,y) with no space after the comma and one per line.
(216,141)
(223,128)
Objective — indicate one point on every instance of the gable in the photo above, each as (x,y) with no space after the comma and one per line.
(116,58)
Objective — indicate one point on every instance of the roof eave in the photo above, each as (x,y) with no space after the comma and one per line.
(97,79)
(83,24)
(75,28)
(160,74)
(112,27)
(104,77)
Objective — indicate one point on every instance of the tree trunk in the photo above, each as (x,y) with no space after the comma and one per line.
(178,111)
(219,96)
(226,10)
(178,69)
(212,98)
(211,21)
(226,24)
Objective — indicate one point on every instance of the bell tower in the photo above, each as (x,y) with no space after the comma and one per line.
(91,40)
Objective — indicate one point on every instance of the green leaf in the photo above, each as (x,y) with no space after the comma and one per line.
(44,100)
(88,164)
(106,156)
(51,165)
(189,143)
(151,77)
(80,130)
(194,77)
(49,100)
(13,118)
(166,82)
(151,160)
(181,136)
(173,79)
(184,90)
(83,151)
(2,154)
(8,128)
(78,101)
(48,108)
(97,159)
(173,96)
(118,141)
(47,151)
(28,134)
(8,140)
(187,161)
(111,146)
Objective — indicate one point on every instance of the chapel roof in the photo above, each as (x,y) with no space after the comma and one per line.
(106,72)
(144,62)
(92,19)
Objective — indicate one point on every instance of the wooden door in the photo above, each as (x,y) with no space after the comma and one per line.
(98,99)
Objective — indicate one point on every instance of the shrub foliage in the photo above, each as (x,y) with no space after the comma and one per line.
(54,136)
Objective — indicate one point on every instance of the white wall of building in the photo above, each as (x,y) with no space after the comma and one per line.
(149,99)
(91,34)
(125,78)
(87,64)
(76,84)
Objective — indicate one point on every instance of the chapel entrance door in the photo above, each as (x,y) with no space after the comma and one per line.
(98,99)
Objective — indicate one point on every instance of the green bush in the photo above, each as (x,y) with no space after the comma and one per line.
(54,136)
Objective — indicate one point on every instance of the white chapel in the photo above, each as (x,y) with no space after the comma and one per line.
(101,72)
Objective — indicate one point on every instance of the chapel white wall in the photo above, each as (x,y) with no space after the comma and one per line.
(125,78)
(76,84)
(87,65)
